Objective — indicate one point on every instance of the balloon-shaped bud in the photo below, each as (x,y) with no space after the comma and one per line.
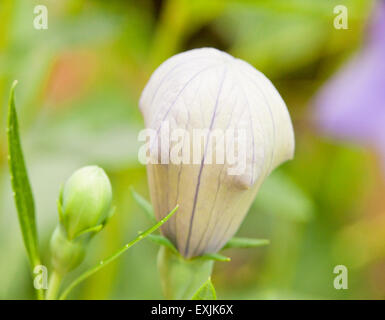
(85,201)
(84,207)
(217,128)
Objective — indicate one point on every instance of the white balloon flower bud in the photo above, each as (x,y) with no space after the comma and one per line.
(219,127)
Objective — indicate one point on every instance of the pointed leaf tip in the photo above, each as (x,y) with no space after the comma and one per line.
(215,257)
(20,184)
(205,292)
(246,243)
(144,204)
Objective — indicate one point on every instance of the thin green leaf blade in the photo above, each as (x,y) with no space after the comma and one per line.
(163,241)
(20,184)
(114,256)
(215,257)
(246,243)
(205,292)
(144,204)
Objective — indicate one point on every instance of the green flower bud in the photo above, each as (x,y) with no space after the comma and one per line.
(66,255)
(84,207)
(85,201)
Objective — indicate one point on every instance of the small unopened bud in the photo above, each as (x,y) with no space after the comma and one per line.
(84,208)
(66,255)
(85,201)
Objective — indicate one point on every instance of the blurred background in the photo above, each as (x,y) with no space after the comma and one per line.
(77,99)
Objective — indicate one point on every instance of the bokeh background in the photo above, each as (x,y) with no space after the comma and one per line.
(77,98)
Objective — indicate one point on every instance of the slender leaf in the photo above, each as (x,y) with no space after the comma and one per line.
(214,256)
(163,241)
(144,204)
(245,243)
(206,292)
(20,184)
(114,256)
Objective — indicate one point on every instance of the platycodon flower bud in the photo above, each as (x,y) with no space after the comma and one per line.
(85,200)
(84,207)
(219,127)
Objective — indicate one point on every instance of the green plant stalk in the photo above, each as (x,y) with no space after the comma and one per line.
(114,256)
(180,277)
(40,294)
(54,285)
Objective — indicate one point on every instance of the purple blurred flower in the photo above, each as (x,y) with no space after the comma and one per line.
(352,104)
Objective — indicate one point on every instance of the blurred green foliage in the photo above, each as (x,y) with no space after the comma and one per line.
(79,83)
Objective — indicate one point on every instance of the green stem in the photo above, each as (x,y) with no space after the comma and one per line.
(39,292)
(114,256)
(54,285)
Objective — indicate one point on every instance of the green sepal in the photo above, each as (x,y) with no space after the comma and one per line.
(109,216)
(214,256)
(94,230)
(245,243)
(91,231)
(205,292)
(163,241)
(144,204)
